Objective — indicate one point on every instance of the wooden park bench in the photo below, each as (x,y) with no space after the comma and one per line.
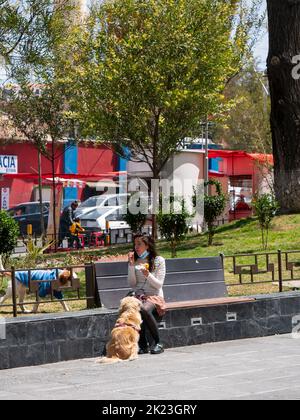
(190,282)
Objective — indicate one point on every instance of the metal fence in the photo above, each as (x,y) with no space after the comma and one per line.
(83,290)
(244,274)
(279,269)
(88,240)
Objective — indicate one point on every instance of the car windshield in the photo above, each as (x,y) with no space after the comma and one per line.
(94,214)
(93,202)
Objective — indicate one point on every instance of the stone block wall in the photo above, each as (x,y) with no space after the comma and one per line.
(59,337)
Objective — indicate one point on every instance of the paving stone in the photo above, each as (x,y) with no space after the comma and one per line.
(249,369)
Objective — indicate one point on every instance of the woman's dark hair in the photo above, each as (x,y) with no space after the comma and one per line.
(148,241)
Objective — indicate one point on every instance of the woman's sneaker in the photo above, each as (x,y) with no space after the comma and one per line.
(157,349)
(143,350)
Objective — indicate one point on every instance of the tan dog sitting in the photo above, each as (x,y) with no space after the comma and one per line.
(126,333)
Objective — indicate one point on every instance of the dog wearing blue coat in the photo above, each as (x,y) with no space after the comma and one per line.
(44,278)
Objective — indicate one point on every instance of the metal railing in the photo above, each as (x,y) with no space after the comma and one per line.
(275,268)
(87,239)
(278,269)
(221,222)
(75,285)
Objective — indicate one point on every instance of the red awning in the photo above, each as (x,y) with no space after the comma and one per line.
(259,157)
(31,176)
(214,174)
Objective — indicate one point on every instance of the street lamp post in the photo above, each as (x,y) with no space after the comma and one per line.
(206,168)
(54,195)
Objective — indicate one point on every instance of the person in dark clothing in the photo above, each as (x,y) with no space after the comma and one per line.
(66,221)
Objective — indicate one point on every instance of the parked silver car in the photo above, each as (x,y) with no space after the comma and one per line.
(96,219)
(99,202)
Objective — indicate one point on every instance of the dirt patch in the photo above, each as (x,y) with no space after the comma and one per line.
(113,258)
(283,228)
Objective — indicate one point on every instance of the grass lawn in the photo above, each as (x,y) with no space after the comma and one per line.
(242,236)
(235,238)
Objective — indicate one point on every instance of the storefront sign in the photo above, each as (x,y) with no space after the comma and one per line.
(8,164)
(4,198)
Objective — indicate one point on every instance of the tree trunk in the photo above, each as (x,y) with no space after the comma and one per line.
(154,226)
(1,264)
(284,31)
(211,233)
(173,249)
(156,171)
(41,197)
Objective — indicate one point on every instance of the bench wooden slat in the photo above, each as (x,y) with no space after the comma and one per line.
(121,281)
(110,298)
(207,302)
(172,265)
(205,276)
(187,292)
(196,264)
(111,269)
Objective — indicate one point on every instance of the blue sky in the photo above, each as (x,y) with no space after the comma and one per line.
(261,49)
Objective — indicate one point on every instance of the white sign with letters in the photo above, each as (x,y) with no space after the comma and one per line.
(5,198)
(8,164)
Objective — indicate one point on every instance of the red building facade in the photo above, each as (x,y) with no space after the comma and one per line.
(242,175)
(88,160)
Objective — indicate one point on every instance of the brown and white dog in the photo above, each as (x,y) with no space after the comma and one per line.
(126,333)
(64,278)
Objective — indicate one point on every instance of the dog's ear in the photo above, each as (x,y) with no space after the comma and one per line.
(126,303)
(65,277)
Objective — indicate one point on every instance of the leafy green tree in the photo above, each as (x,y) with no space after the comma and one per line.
(173,225)
(146,72)
(265,207)
(9,233)
(136,215)
(28,28)
(214,206)
(246,126)
(43,118)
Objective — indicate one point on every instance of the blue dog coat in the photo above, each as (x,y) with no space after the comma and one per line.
(45,287)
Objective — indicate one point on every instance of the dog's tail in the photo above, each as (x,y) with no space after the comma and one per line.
(108,360)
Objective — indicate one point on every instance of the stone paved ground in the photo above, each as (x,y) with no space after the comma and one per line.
(263,368)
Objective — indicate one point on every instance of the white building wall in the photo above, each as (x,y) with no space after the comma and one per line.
(182,172)
(185,171)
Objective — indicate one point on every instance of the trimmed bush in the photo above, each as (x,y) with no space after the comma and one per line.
(265,207)
(9,233)
(174,226)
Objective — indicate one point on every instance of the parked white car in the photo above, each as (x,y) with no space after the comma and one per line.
(100,201)
(95,220)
